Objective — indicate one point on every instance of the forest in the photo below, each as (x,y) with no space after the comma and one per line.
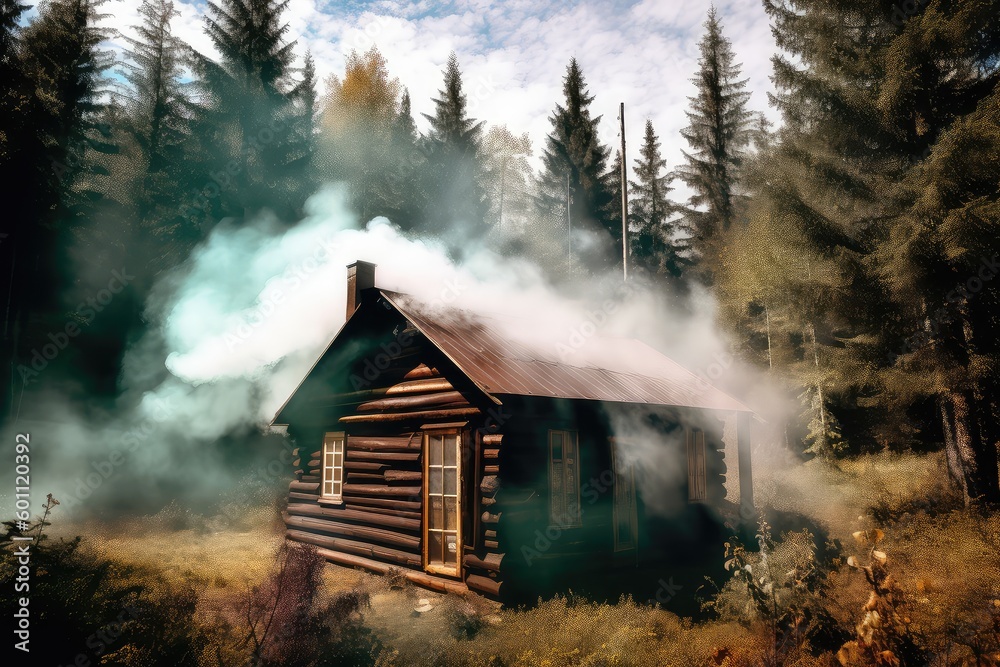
(850,248)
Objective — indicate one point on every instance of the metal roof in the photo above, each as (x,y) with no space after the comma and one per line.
(505,356)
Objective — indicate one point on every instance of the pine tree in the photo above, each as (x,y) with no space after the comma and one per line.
(246,117)
(654,242)
(790,279)
(406,199)
(303,139)
(573,153)
(156,121)
(937,245)
(507,179)
(718,134)
(456,208)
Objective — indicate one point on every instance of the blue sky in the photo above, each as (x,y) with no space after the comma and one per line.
(513,53)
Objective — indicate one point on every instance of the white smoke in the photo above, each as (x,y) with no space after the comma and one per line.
(236,327)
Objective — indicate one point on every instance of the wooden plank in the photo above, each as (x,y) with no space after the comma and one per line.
(490,484)
(383,510)
(491,518)
(490,562)
(366,533)
(419,401)
(491,544)
(483,584)
(365,466)
(375,490)
(391,503)
(361,455)
(309,478)
(491,453)
(487,501)
(419,578)
(491,470)
(419,387)
(490,534)
(306,497)
(362,477)
(357,548)
(389,443)
(403,475)
(304,487)
(361,516)
(493,439)
(445,413)
(421,372)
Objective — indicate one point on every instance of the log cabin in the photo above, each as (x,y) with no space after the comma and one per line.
(435,443)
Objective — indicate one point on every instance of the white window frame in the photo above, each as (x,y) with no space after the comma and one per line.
(332,477)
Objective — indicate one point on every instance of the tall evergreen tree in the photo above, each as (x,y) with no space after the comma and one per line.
(655,245)
(507,178)
(356,132)
(937,249)
(575,160)
(719,130)
(794,274)
(156,119)
(456,204)
(247,116)
(406,198)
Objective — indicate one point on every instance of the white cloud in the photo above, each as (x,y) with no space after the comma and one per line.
(514,54)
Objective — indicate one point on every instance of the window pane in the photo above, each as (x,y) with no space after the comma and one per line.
(435,512)
(557,446)
(451,481)
(434,444)
(451,513)
(435,551)
(338,488)
(435,481)
(450,450)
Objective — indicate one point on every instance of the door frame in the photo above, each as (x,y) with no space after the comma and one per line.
(456,570)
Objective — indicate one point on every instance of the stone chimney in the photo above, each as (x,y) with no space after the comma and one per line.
(360,276)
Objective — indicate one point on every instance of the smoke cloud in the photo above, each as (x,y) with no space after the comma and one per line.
(233,330)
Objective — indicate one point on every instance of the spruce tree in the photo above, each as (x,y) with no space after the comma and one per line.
(574,156)
(719,131)
(655,245)
(246,117)
(406,199)
(936,246)
(156,121)
(790,279)
(507,179)
(456,207)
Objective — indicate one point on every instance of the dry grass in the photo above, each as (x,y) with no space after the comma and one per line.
(946,561)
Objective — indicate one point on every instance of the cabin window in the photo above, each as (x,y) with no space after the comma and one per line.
(564,479)
(696,465)
(333,466)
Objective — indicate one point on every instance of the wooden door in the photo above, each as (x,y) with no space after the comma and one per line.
(442,502)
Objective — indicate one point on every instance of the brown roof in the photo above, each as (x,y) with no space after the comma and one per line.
(501,357)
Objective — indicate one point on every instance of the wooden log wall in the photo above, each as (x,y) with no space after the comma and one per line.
(380,519)
(483,572)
